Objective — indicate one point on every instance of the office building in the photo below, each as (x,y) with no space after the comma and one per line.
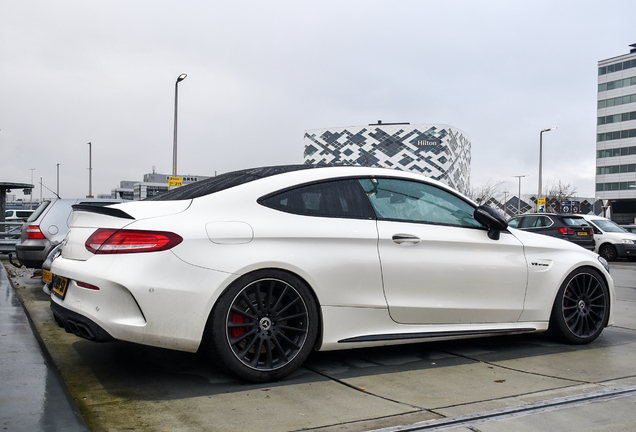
(616,136)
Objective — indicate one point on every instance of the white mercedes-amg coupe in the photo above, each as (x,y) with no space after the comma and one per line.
(259,267)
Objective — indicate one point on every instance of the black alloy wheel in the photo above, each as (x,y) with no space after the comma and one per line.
(264,326)
(608,252)
(581,309)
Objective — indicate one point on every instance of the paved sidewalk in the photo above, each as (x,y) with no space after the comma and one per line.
(517,383)
(32,397)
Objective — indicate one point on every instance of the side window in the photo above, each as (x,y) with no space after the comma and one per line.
(514,223)
(529,222)
(339,198)
(546,221)
(413,201)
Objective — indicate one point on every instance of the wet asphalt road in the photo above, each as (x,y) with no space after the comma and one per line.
(32,397)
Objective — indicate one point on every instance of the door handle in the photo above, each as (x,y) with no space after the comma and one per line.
(408,239)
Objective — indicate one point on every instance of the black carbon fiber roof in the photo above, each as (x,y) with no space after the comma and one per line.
(226,181)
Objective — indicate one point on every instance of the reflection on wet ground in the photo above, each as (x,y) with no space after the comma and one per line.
(31,396)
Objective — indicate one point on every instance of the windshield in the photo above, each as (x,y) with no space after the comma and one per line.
(608,226)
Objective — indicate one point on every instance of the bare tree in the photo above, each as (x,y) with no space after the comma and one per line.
(558,193)
(488,194)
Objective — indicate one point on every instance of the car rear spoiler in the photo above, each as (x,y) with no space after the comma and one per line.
(105,210)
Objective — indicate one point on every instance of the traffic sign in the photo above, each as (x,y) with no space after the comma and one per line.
(174,182)
(541,205)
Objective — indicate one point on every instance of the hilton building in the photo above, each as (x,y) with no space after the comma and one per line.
(616,136)
(438,151)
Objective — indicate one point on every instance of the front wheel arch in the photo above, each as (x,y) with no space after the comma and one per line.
(608,251)
(581,308)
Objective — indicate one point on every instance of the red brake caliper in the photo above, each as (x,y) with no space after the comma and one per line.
(237,331)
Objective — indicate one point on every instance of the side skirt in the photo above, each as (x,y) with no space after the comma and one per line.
(431,335)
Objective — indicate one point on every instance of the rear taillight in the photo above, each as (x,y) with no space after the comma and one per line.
(566,231)
(33,232)
(111,241)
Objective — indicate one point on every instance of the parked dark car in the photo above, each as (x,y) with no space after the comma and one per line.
(573,228)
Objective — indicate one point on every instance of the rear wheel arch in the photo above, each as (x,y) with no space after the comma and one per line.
(264,325)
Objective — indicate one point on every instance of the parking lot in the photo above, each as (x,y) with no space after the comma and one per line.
(479,385)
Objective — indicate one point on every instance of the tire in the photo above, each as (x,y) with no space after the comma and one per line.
(264,326)
(608,252)
(581,308)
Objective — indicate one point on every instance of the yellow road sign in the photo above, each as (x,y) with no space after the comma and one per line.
(175,182)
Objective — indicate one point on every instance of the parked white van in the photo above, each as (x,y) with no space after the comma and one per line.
(612,241)
(12,215)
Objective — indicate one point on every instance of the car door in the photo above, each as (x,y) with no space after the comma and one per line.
(331,234)
(438,264)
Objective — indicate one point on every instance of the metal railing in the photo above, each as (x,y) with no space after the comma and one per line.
(9,236)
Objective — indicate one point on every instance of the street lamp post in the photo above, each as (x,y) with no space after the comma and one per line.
(58,180)
(31,195)
(174,141)
(90,171)
(541,160)
(519,196)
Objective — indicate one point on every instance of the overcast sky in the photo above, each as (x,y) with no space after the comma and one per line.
(260,73)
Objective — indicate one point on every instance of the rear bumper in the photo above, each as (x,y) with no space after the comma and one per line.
(78,324)
(32,254)
(584,244)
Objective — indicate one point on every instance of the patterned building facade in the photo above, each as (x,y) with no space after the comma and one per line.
(438,151)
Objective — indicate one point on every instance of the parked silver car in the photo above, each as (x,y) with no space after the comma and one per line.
(47,227)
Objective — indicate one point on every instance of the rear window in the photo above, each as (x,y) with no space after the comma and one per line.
(36,214)
(226,181)
(571,221)
(23,214)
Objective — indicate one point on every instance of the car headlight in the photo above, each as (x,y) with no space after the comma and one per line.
(627,241)
(604,263)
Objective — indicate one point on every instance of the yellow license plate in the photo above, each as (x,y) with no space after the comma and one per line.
(582,233)
(47,276)
(59,286)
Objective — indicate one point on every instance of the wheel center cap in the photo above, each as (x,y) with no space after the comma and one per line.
(581,305)
(265,323)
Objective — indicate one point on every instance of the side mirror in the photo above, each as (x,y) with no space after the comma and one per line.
(491,219)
